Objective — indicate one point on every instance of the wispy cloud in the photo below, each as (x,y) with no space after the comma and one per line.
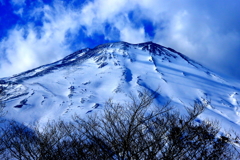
(29,46)
(207,31)
(18,2)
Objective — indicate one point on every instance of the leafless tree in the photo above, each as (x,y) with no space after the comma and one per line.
(133,130)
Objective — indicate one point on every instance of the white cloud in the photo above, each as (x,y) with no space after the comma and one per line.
(24,53)
(132,35)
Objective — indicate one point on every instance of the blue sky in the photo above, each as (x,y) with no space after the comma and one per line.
(38,32)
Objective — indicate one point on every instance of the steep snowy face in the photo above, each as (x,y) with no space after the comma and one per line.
(83,81)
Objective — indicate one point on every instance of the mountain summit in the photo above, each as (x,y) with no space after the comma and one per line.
(84,80)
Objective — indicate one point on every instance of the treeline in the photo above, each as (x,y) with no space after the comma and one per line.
(134,130)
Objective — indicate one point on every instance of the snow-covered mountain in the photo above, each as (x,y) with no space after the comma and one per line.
(83,81)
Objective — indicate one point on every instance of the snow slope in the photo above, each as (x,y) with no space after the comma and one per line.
(83,81)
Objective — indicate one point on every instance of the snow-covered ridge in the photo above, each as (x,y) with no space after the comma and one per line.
(82,82)
(82,55)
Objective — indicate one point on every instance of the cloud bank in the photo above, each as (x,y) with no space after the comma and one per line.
(206,31)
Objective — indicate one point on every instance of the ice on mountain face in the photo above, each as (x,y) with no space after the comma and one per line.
(83,81)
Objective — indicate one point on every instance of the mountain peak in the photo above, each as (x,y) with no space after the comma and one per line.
(80,56)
